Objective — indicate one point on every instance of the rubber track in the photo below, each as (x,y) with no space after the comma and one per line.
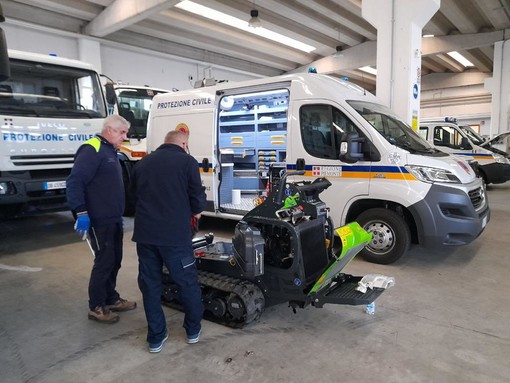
(249,293)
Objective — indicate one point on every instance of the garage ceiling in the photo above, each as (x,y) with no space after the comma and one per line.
(468,26)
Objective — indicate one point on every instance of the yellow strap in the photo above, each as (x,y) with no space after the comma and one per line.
(94,142)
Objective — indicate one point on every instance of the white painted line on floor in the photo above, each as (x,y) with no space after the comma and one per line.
(20,268)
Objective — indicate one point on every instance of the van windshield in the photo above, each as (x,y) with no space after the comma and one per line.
(391,127)
(472,135)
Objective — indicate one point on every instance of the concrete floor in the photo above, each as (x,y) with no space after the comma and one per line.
(446,320)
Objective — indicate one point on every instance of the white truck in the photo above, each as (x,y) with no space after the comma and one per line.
(459,140)
(133,102)
(383,174)
(49,106)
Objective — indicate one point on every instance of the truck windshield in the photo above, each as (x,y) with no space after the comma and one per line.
(472,135)
(134,105)
(46,90)
(391,127)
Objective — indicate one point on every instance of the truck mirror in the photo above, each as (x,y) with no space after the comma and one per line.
(464,144)
(5,69)
(205,165)
(111,97)
(351,150)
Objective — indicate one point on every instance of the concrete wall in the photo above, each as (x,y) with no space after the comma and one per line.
(470,105)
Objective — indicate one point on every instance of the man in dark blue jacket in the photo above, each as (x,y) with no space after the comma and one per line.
(95,192)
(168,191)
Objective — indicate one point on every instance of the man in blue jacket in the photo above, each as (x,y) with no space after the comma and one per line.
(168,191)
(95,192)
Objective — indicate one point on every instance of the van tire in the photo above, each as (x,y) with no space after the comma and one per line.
(391,235)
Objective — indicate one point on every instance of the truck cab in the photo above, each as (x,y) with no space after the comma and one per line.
(49,107)
(133,102)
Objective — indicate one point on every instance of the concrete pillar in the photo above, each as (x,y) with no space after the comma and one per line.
(89,51)
(499,86)
(399,24)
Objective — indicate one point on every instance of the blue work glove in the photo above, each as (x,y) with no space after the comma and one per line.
(82,224)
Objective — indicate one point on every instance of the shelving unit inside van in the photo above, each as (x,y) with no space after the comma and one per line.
(252,131)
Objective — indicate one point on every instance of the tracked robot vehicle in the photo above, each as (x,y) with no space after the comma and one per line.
(284,250)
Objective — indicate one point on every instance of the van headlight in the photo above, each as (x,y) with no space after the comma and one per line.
(428,174)
(500,159)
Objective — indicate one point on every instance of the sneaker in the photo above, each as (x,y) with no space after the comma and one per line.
(157,347)
(122,305)
(103,315)
(194,338)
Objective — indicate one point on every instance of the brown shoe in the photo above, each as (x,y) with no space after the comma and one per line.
(103,315)
(122,305)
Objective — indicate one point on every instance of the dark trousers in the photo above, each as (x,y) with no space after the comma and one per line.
(180,263)
(107,244)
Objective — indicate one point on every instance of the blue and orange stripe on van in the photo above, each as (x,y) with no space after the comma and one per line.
(357,171)
(476,156)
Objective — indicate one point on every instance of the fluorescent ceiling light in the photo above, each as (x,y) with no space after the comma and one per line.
(369,69)
(457,56)
(242,24)
(428,36)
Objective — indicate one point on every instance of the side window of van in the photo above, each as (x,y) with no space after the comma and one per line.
(447,136)
(323,128)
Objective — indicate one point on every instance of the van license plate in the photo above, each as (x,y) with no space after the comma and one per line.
(54,185)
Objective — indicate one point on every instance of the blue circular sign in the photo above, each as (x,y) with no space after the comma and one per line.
(415,91)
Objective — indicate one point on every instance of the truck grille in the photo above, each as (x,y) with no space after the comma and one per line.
(50,174)
(477,197)
(49,159)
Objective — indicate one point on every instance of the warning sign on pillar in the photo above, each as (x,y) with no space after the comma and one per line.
(414,122)
(415,91)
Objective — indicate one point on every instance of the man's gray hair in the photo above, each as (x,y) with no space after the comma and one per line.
(115,121)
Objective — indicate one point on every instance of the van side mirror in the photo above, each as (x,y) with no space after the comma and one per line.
(300,164)
(351,150)
(205,165)
(464,144)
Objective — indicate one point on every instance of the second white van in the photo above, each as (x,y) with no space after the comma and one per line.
(493,167)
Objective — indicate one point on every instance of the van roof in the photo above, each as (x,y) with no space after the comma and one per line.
(312,84)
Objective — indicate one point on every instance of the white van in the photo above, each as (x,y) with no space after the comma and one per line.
(498,144)
(384,175)
(463,141)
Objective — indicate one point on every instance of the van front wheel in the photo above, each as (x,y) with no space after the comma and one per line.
(391,236)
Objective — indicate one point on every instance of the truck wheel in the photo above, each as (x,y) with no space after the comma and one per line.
(391,236)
